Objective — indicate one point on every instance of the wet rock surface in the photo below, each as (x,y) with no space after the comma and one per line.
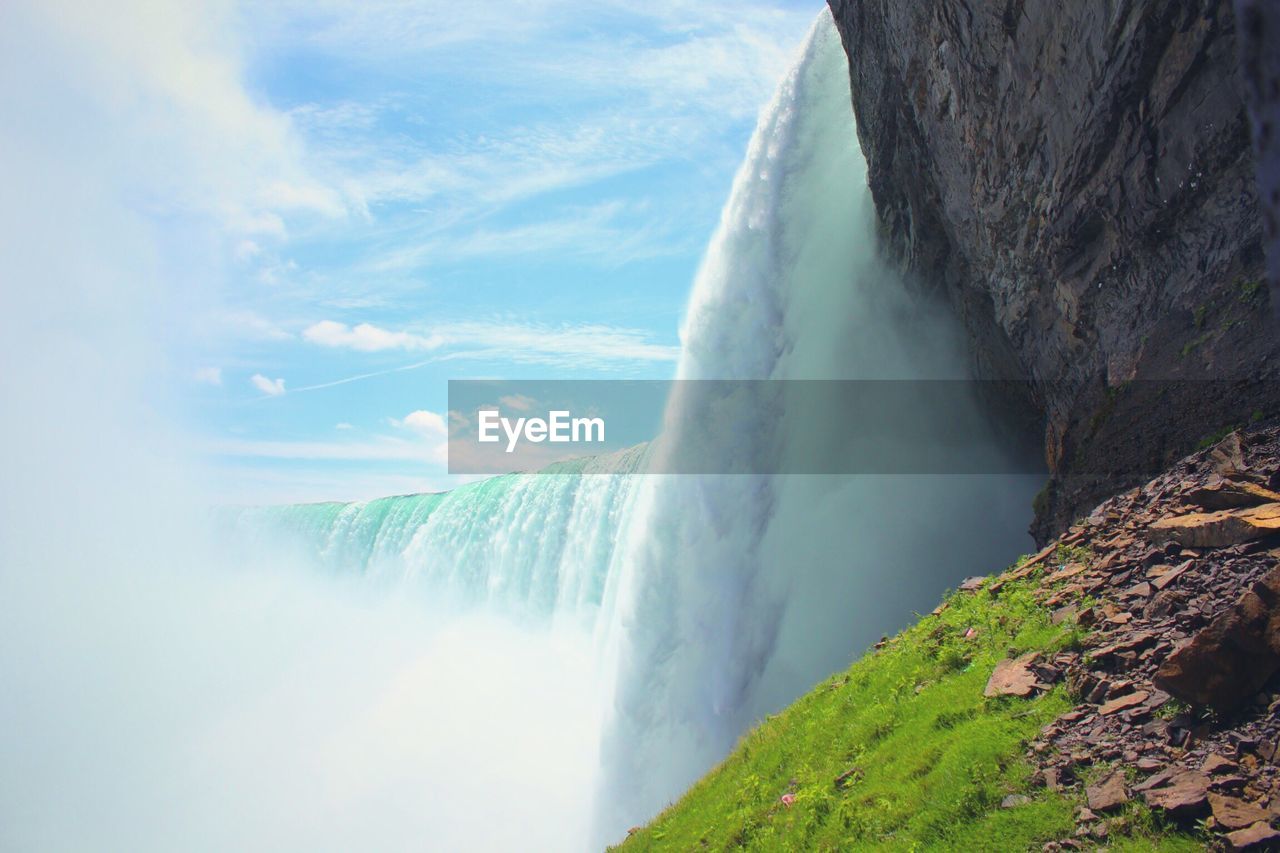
(1176,674)
(1077,180)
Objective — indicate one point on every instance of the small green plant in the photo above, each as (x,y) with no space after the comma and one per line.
(1198,315)
(1172,708)
(1040,503)
(1250,289)
(1194,344)
(1214,437)
(1073,554)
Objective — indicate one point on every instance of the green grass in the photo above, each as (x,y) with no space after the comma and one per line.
(932,758)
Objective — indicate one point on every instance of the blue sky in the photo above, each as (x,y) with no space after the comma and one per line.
(362,200)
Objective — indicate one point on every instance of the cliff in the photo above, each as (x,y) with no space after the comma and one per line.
(1077,179)
(1121,687)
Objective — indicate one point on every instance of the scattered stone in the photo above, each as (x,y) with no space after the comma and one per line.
(1219,529)
(1178,583)
(1062,614)
(1108,794)
(972,584)
(1252,837)
(1014,800)
(1184,794)
(1233,813)
(1068,571)
(1227,456)
(1220,493)
(1216,764)
(1226,663)
(1013,677)
(1172,575)
(1053,779)
(1123,702)
(1139,590)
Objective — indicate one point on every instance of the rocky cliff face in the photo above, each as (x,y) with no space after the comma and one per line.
(1077,179)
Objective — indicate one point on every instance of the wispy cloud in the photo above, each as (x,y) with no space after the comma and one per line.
(270,387)
(588,345)
(576,94)
(592,345)
(366,337)
(209,375)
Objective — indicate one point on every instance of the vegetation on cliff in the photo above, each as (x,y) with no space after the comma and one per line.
(903,751)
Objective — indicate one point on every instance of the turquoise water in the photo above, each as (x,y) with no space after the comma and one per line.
(538,546)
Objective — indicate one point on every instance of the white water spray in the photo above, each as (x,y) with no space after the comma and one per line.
(731,595)
(437,682)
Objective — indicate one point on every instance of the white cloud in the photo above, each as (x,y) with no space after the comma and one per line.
(270,387)
(366,337)
(173,73)
(606,232)
(591,345)
(518,402)
(424,423)
(209,375)
(343,425)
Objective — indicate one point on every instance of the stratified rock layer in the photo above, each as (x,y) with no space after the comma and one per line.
(1077,178)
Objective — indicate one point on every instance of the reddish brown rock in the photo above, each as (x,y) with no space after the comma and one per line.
(1226,663)
(1107,794)
(1119,704)
(1253,837)
(1012,677)
(1233,813)
(1171,575)
(1183,794)
(1219,493)
(1218,529)
(1068,571)
(1215,764)
(1139,590)
(1063,613)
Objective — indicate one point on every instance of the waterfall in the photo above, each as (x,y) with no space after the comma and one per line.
(710,601)
(730,595)
(536,547)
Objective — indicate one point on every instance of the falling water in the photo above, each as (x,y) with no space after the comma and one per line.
(711,601)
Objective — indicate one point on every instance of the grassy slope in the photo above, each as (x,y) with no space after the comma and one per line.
(934,758)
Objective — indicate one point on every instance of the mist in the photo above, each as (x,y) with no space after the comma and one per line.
(166,689)
(160,695)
